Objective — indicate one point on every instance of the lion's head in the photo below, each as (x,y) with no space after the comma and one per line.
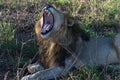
(57,26)
(53,25)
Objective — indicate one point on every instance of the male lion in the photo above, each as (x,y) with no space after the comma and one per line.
(63,45)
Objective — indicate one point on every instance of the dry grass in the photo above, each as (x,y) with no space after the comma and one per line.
(17,38)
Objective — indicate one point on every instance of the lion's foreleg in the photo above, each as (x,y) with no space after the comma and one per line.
(52,73)
(47,74)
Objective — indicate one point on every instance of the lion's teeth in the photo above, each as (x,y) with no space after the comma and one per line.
(43,30)
(44,27)
(48,27)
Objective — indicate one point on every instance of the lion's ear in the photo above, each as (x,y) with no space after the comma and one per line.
(69,20)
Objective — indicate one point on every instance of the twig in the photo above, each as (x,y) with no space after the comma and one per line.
(20,73)
(6,75)
(77,10)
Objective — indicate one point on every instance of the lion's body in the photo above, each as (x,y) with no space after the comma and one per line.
(98,51)
(68,47)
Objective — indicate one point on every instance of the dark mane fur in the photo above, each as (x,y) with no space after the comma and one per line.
(77,32)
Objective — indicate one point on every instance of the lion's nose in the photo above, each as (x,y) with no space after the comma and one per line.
(46,7)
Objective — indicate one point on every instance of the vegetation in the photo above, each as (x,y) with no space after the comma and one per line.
(18,44)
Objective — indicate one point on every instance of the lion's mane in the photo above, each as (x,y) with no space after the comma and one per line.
(51,52)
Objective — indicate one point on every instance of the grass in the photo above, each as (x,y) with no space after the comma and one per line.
(6,33)
(95,14)
(95,73)
(15,53)
(96,17)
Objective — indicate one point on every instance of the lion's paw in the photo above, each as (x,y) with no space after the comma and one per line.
(32,68)
(28,78)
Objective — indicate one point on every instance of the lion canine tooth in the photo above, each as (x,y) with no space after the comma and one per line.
(48,27)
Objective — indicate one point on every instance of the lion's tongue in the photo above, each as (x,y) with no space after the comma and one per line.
(46,28)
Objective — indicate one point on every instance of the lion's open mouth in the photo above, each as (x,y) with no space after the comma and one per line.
(48,21)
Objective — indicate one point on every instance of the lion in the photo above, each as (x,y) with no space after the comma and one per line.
(63,45)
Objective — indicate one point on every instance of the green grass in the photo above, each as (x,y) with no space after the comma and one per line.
(6,31)
(22,50)
(61,2)
(94,73)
